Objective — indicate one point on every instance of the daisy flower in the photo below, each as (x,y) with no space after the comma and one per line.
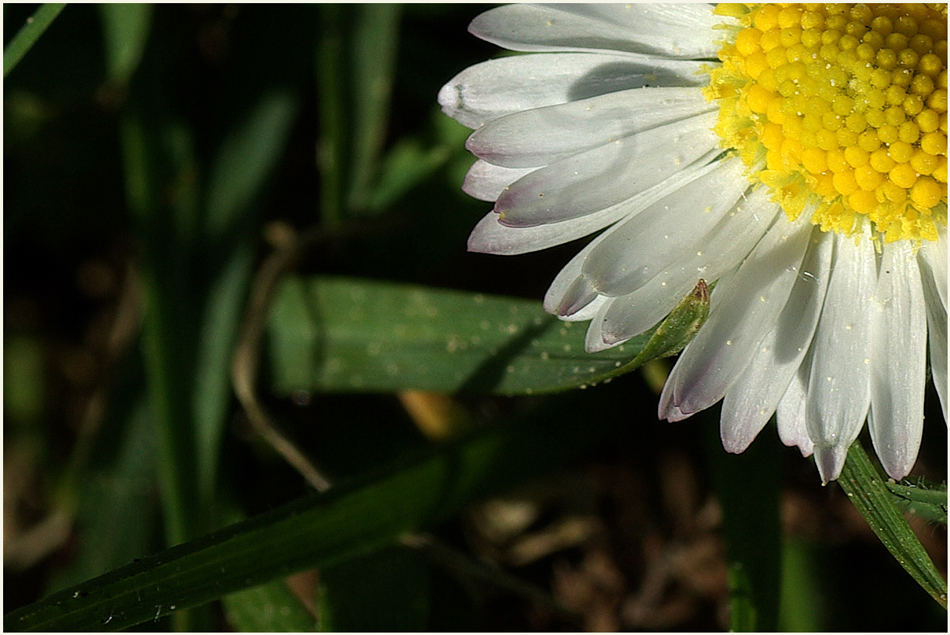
(795,154)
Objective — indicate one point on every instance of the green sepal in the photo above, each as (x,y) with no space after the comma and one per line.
(679,328)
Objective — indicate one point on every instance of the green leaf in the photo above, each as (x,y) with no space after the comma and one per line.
(748,485)
(406,165)
(804,598)
(351,335)
(28,34)
(24,391)
(117,518)
(356,56)
(386,591)
(156,160)
(125,27)
(244,161)
(373,54)
(349,520)
(927,500)
(268,608)
(870,494)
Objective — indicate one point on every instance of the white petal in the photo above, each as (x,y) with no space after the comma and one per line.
(934,254)
(682,30)
(508,85)
(588,312)
(754,397)
(898,361)
(561,297)
(490,236)
(742,311)
(638,249)
(608,175)
(839,390)
(486,182)
(542,136)
(722,249)
(790,414)
(937,335)
(594,341)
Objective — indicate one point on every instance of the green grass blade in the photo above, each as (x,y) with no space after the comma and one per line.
(244,161)
(373,60)
(350,519)
(338,334)
(804,601)
(747,485)
(268,608)
(332,147)
(246,157)
(386,591)
(125,27)
(27,36)
(212,394)
(869,493)
(117,518)
(168,317)
(926,500)
(355,60)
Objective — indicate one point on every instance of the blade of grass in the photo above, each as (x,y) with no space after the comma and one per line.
(869,493)
(117,518)
(161,193)
(747,485)
(803,603)
(331,147)
(373,58)
(351,519)
(927,500)
(125,28)
(244,161)
(166,321)
(355,60)
(28,34)
(268,608)
(385,591)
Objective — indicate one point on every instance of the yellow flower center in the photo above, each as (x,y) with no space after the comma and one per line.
(840,109)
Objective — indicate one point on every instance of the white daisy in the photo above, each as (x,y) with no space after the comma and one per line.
(805,170)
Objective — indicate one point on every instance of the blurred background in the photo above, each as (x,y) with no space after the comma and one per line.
(154,161)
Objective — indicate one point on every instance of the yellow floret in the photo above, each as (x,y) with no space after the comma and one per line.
(845,106)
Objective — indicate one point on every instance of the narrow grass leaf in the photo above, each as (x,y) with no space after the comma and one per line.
(870,494)
(244,161)
(125,28)
(385,591)
(927,500)
(804,601)
(28,34)
(351,519)
(747,485)
(117,516)
(268,608)
(372,56)
(152,166)
(406,165)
